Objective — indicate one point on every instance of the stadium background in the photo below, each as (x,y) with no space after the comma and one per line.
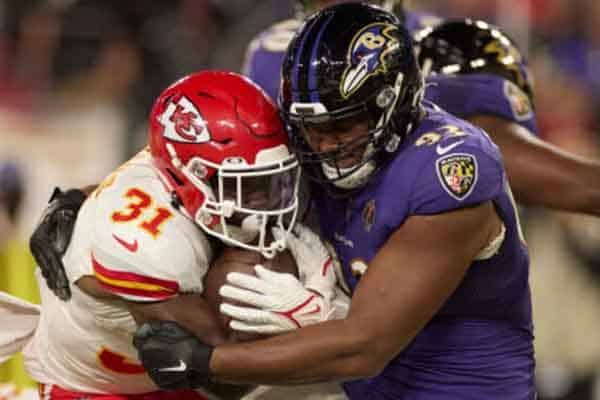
(77,78)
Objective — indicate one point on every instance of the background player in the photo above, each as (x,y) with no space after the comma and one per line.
(265,52)
(569,182)
(429,241)
(482,66)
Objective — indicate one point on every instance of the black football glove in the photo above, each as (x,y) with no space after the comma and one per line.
(51,238)
(173,357)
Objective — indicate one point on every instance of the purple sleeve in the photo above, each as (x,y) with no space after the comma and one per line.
(415,21)
(265,55)
(463,177)
(263,67)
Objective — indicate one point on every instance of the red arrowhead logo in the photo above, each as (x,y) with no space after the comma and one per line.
(132,247)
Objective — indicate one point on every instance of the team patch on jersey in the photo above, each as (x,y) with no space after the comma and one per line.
(366,56)
(457,174)
(368,215)
(518,100)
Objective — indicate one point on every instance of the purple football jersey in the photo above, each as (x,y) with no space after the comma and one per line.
(265,54)
(414,21)
(481,94)
(479,345)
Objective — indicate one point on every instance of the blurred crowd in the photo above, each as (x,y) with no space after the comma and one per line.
(77,78)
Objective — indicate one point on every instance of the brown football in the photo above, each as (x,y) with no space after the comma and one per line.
(234,259)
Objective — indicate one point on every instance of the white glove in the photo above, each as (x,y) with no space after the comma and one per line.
(277,302)
(315,265)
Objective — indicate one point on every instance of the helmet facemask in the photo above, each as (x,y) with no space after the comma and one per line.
(381,137)
(349,62)
(242,202)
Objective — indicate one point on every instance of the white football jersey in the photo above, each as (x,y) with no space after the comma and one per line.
(129,236)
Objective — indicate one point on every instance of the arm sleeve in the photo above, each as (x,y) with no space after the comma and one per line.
(465,177)
(154,272)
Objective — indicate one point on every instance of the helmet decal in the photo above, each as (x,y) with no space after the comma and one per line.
(184,123)
(466,46)
(366,55)
(508,55)
(209,136)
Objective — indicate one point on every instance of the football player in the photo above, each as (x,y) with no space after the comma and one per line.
(482,66)
(217,166)
(479,75)
(264,55)
(426,234)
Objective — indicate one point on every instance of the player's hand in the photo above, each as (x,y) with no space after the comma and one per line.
(173,357)
(315,265)
(276,302)
(51,238)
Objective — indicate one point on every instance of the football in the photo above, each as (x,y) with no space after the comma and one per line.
(234,259)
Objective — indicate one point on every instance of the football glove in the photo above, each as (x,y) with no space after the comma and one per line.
(51,238)
(276,302)
(315,265)
(173,357)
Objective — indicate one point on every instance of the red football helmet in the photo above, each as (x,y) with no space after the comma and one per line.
(221,150)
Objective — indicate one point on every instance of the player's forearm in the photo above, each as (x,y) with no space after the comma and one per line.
(555,179)
(540,173)
(189,310)
(297,357)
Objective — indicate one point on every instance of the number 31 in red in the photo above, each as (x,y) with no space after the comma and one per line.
(140,202)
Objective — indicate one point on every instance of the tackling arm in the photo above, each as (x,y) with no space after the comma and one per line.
(192,312)
(542,174)
(440,248)
(188,310)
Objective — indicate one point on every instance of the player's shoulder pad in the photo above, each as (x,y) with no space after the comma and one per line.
(482,94)
(141,247)
(454,165)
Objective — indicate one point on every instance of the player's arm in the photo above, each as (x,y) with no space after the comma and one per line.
(192,312)
(542,174)
(187,310)
(409,279)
